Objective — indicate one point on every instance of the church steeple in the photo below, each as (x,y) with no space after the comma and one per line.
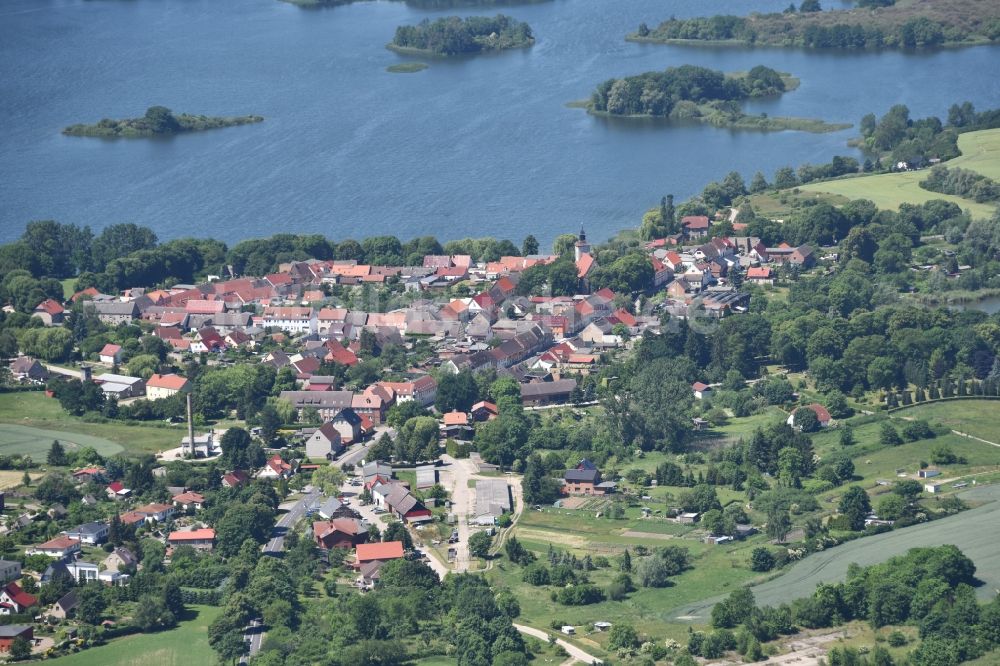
(581,246)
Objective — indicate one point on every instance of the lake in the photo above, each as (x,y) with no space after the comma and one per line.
(480,146)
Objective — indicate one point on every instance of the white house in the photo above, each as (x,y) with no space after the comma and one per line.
(59,547)
(325,442)
(290,319)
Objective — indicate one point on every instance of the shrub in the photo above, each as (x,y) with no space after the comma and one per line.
(761,559)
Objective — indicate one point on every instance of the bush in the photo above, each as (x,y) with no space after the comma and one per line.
(916,430)
(761,559)
(888,436)
(898,639)
(580,595)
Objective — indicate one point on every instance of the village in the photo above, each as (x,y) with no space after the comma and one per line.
(374,417)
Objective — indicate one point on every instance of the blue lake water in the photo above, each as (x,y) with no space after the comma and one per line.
(469,147)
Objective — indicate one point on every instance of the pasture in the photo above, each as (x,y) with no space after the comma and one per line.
(30,421)
(965,530)
(980,152)
(979,418)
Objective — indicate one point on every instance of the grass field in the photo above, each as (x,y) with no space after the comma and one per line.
(979,418)
(965,530)
(980,152)
(35,442)
(717,569)
(39,420)
(184,646)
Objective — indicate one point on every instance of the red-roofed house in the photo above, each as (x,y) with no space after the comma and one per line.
(759,275)
(132,518)
(695,226)
(155,513)
(275,468)
(14,600)
(189,500)
(111,354)
(338,353)
(59,547)
(50,312)
(163,386)
(484,411)
(701,390)
(379,552)
(116,490)
(199,539)
(339,533)
(89,292)
(235,478)
(201,306)
(822,415)
(456,425)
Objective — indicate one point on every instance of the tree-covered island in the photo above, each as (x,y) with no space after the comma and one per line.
(456,36)
(158,121)
(872,24)
(697,93)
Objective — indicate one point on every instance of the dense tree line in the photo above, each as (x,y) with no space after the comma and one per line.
(658,93)
(841,30)
(454,35)
(461,615)
(930,588)
(128,255)
(962,183)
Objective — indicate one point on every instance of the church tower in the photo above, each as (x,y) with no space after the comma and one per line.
(581,247)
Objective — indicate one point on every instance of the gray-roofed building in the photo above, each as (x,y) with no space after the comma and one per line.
(9,570)
(325,442)
(89,533)
(376,468)
(66,605)
(28,369)
(427,476)
(114,312)
(492,498)
(327,403)
(546,393)
(121,386)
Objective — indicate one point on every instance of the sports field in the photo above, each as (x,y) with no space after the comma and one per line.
(980,152)
(184,646)
(965,530)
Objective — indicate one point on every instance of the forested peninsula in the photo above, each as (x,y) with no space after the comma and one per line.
(456,36)
(873,24)
(158,121)
(690,92)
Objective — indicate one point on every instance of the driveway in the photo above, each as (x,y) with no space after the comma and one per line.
(573,651)
(457,475)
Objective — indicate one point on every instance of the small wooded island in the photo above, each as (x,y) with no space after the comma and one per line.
(158,121)
(698,93)
(456,36)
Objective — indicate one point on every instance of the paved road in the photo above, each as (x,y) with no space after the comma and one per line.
(277,542)
(254,634)
(577,653)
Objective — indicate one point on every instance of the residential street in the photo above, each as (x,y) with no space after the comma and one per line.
(255,632)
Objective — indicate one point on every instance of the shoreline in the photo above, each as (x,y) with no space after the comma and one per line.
(745,122)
